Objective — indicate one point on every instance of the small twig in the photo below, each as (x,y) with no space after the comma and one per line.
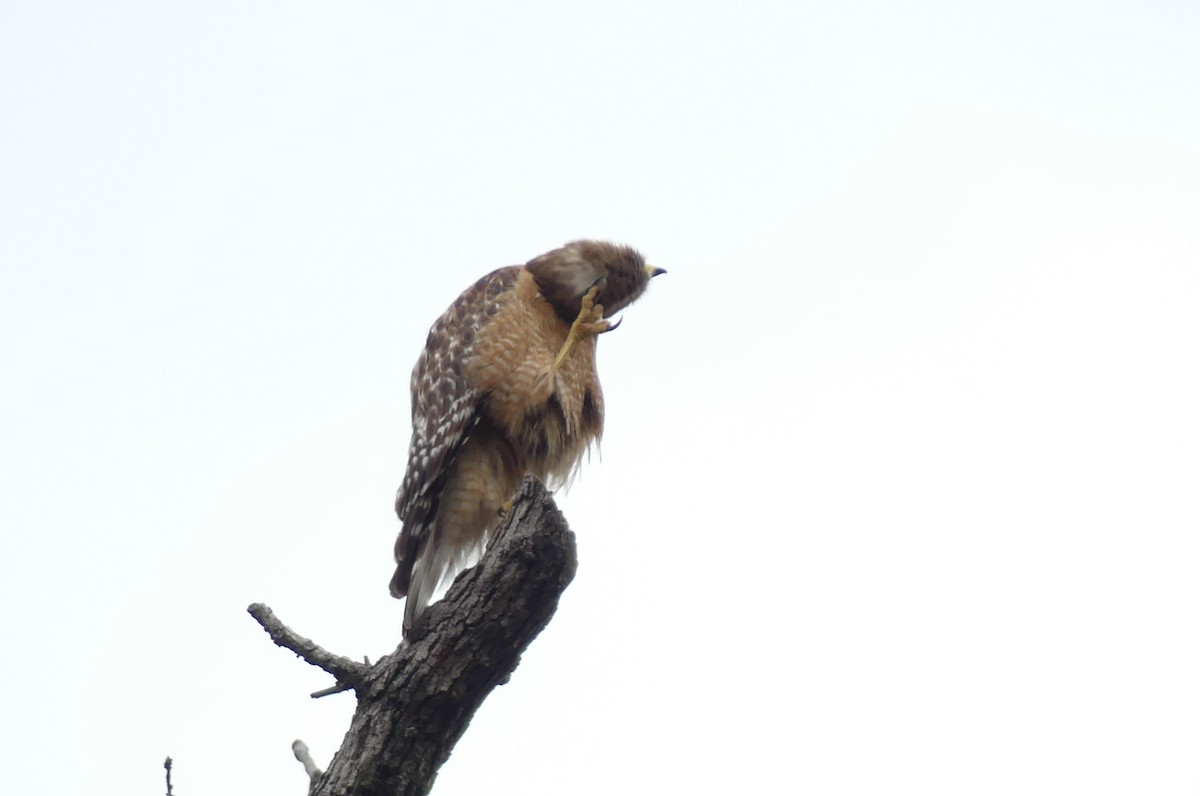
(300,749)
(338,688)
(349,673)
(167,766)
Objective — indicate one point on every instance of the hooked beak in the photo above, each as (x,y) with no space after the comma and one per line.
(653,272)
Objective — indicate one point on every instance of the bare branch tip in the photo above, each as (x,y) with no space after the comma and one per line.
(300,750)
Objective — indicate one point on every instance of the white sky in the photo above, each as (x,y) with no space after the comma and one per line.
(900,485)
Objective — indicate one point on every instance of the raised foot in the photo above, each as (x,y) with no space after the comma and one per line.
(588,323)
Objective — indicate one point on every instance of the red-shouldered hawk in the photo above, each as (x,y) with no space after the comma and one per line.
(506,386)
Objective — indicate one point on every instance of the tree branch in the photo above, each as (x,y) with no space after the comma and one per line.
(414,704)
(346,671)
(300,750)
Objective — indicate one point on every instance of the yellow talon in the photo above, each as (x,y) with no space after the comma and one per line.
(589,322)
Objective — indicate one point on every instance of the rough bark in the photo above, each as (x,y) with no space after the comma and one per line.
(414,704)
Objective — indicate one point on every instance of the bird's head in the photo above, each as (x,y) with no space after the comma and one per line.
(564,275)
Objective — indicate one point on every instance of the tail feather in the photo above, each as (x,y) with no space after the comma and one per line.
(415,605)
(427,574)
(436,563)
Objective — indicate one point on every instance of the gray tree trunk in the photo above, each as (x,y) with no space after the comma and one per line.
(414,704)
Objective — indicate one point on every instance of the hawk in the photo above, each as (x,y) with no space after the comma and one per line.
(506,386)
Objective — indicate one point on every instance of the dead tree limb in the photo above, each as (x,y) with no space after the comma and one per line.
(300,750)
(347,672)
(414,704)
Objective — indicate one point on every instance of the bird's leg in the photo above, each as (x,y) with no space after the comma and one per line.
(590,321)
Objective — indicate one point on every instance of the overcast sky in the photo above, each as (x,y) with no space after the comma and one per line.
(899,489)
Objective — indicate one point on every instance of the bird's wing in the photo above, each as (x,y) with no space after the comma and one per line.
(445,409)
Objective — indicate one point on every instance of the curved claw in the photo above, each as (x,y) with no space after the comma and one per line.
(614,325)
